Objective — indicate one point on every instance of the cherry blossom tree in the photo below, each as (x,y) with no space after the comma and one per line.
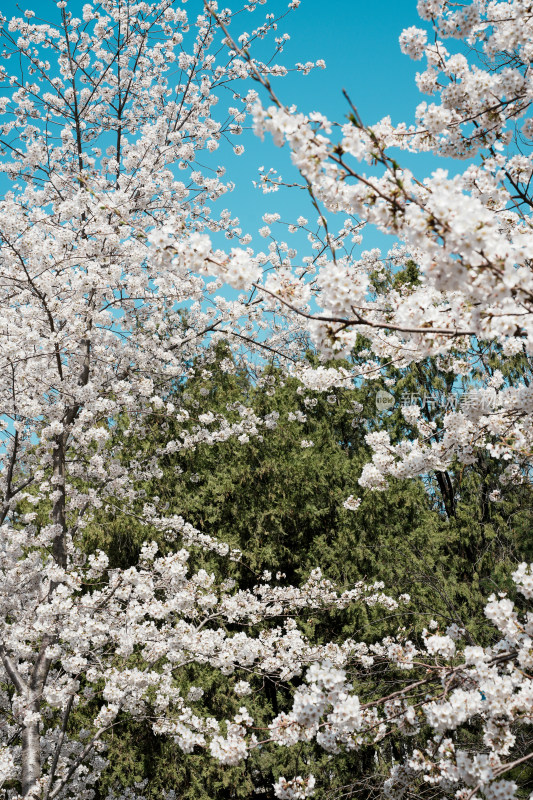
(468,233)
(103,254)
(469,236)
(96,328)
(447,690)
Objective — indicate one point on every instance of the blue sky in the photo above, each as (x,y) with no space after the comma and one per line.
(358,41)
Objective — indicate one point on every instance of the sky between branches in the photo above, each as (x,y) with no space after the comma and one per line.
(357,39)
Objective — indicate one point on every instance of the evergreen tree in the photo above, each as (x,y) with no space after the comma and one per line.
(306,462)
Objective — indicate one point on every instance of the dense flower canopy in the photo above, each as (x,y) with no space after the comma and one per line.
(469,234)
(109,241)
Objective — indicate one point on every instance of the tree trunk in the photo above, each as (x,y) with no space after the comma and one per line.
(31,741)
(58,510)
(31,755)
